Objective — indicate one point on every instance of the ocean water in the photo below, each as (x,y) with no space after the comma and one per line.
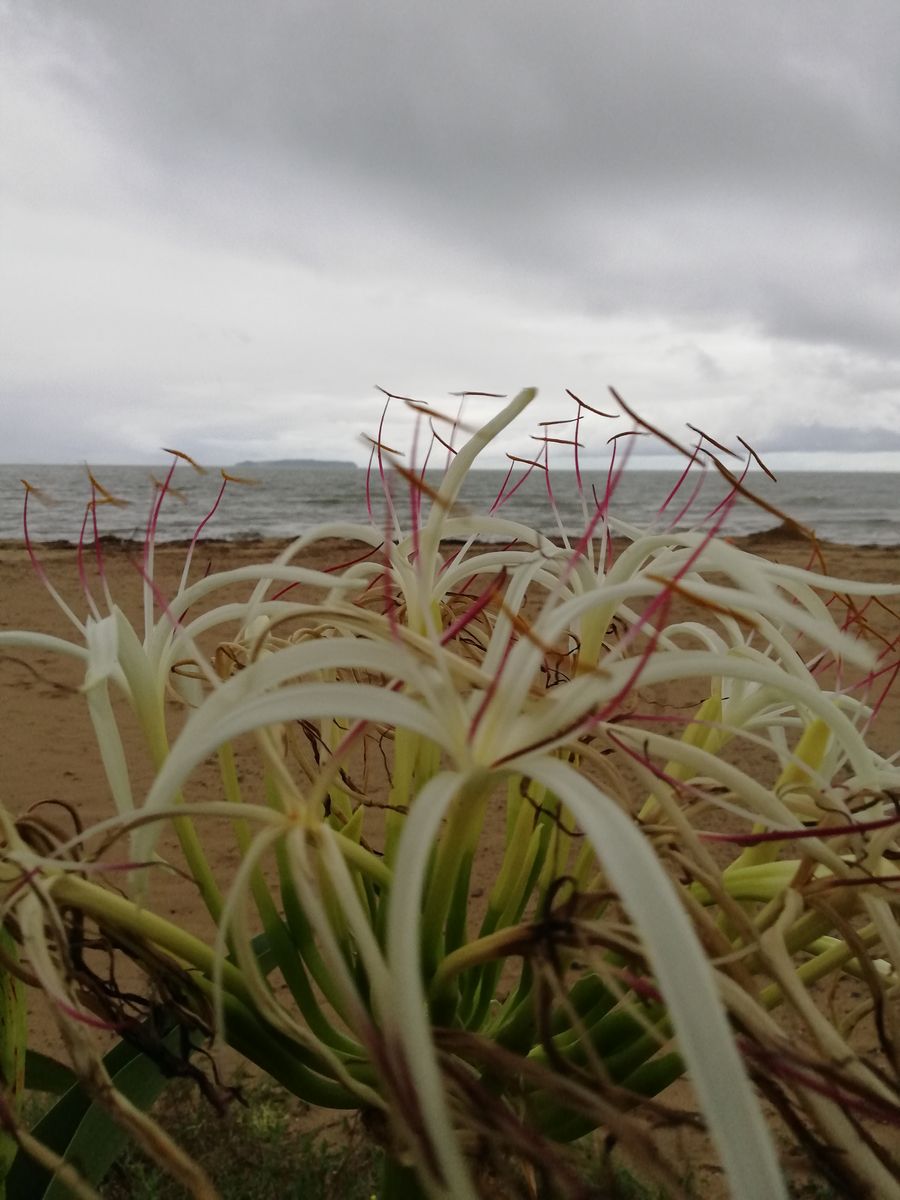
(858,508)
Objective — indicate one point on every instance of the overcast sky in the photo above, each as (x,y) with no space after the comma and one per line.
(224,222)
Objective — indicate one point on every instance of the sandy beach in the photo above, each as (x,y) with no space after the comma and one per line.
(48,754)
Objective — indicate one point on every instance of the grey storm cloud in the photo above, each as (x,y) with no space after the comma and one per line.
(706,165)
(733,160)
(814,437)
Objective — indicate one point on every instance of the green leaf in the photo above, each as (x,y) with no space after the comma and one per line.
(46,1074)
(83,1133)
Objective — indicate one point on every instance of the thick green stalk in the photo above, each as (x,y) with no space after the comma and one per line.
(109,907)
(455,846)
(244,1027)
(514,1025)
(188,838)
(303,938)
(13,1041)
(512,895)
(808,755)
(823,964)
(148,702)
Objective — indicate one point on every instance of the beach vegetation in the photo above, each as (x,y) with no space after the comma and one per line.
(526,828)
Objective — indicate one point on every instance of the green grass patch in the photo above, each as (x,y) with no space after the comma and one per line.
(267,1146)
(262,1148)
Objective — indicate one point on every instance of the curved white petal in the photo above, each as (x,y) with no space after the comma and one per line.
(412,1024)
(686,980)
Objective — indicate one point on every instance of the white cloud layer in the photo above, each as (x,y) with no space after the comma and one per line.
(221,224)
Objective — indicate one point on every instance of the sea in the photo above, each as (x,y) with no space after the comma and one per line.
(283,501)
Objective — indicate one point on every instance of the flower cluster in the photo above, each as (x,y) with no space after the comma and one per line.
(666,880)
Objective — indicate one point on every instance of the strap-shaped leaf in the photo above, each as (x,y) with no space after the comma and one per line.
(83,1133)
(79,1130)
(46,1074)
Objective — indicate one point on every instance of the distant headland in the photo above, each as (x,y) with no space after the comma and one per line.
(297,462)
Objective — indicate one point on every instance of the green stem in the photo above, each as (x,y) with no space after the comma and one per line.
(245,1029)
(814,969)
(189,840)
(280,1058)
(485,949)
(458,840)
(108,907)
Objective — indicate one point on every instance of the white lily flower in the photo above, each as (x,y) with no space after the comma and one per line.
(508,676)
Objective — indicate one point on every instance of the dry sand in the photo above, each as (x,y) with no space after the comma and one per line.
(47,752)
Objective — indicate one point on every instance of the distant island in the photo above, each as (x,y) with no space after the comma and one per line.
(297,462)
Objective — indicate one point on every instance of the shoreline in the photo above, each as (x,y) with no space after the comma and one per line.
(775,535)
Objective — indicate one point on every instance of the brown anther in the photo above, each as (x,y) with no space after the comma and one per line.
(185,458)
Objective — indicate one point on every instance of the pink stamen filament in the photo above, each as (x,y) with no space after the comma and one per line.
(38,567)
(390,606)
(35,561)
(98,552)
(894,669)
(730,497)
(158,594)
(491,689)
(553,506)
(190,552)
(577,445)
(789,835)
(661,602)
(79,557)
(501,498)
(86,1019)
(161,489)
(612,475)
(415,493)
(498,499)
(369,484)
(149,539)
(479,605)
(641,986)
(447,445)
(381,471)
(664,603)
(779,1066)
(681,478)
